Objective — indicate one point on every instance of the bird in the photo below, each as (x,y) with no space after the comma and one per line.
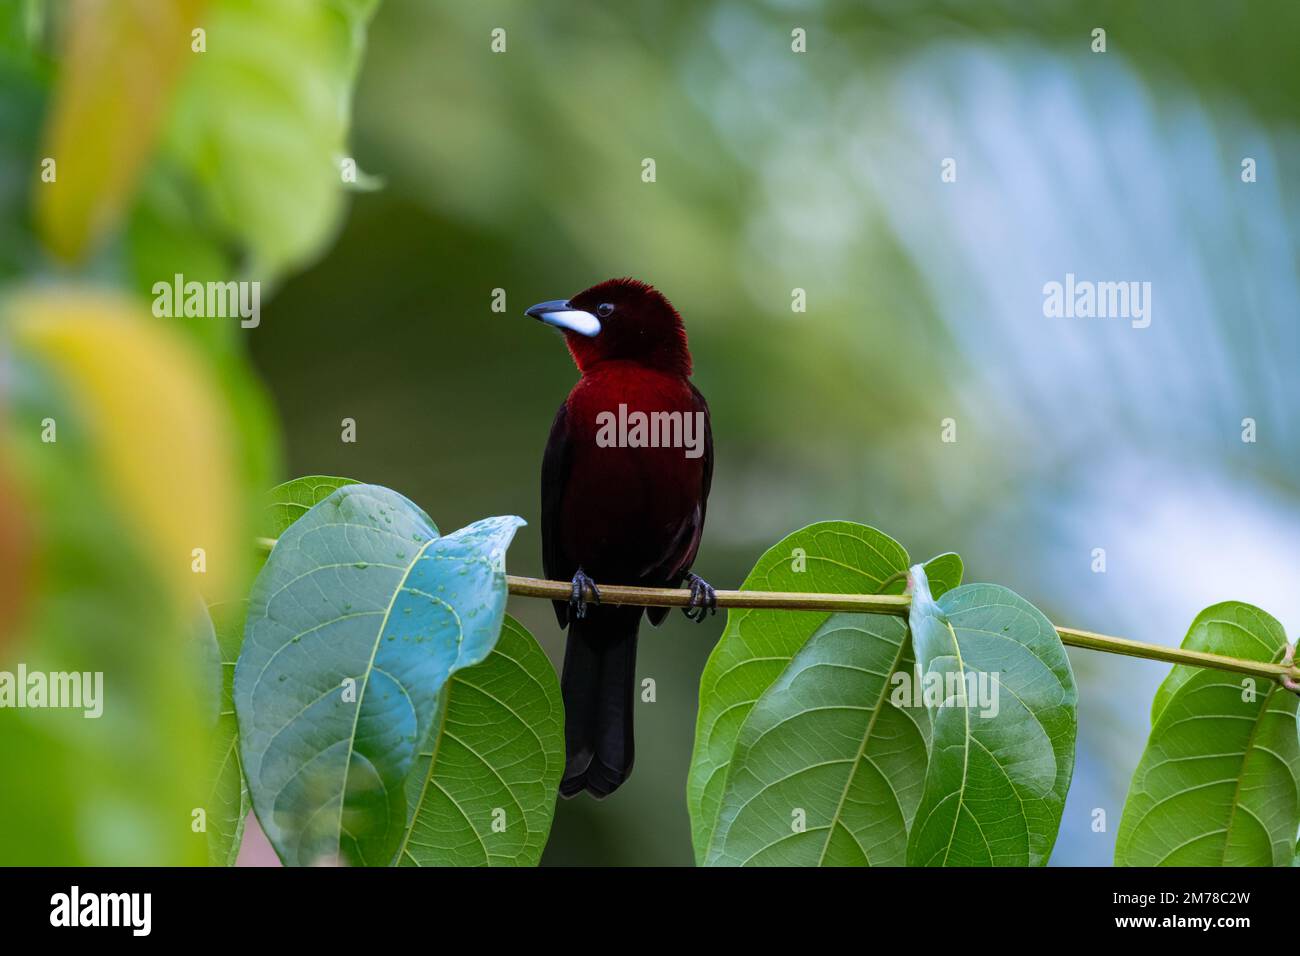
(624,490)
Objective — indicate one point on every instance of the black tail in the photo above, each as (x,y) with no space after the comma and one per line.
(599,686)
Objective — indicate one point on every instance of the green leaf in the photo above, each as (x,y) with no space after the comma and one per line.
(289,501)
(483,788)
(223,634)
(357,620)
(1002,705)
(228,801)
(1219,781)
(944,573)
(756,646)
(248,165)
(827,771)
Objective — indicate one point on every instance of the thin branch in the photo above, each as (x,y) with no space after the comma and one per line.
(896,604)
(681,597)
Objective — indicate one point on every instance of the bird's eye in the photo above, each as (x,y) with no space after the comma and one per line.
(604,310)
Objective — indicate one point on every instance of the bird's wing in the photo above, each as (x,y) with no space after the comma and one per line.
(702,406)
(556,463)
(681,562)
(706,481)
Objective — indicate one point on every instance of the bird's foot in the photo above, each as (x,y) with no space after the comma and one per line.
(704,600)
(578,600)
(1288,659)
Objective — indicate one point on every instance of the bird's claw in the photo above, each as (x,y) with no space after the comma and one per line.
(578,599)
(1288,659)
(704,600)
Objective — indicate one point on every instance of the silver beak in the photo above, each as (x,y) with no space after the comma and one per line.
(559,313)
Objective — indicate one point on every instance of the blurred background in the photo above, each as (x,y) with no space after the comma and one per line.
(775,171)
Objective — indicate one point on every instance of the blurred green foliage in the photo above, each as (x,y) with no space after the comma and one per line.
(246,181)
(522,170)
(117,789)
(135,455)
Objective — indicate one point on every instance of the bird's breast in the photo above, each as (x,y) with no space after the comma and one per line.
(636,477)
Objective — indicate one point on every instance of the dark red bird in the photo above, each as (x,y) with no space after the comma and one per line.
(625,481)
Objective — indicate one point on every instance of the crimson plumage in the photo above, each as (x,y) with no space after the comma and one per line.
(615,513)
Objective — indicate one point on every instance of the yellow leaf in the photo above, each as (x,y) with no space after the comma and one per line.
(119,62)
(15,558)
(158,425)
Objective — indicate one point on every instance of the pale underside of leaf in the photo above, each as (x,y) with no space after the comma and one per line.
(996,783)
(360,589)
(1219,781)
(756,646)
(825,746)
(483,789)
(228,801)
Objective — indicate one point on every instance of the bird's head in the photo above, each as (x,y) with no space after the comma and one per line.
(619,319)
